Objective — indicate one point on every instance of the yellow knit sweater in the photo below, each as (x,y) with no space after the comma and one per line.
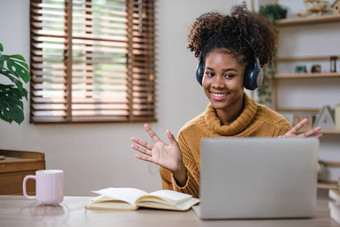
(255,120)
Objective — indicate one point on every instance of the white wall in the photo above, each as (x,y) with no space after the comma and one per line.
(94,156)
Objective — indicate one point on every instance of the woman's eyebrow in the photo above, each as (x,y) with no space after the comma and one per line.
(224,70)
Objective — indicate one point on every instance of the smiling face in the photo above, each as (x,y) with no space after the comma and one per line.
(223,84)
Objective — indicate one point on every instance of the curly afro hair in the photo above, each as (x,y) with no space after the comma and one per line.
(216,31)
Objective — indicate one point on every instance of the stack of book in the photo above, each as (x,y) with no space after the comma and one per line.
(334,205)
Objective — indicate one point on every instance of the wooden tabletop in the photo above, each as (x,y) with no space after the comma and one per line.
(19,211)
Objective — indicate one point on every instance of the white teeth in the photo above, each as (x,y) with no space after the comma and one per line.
(219,95)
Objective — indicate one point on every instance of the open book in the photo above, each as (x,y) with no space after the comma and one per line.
(132,198)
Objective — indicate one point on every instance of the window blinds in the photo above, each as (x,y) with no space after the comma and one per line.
(92,61)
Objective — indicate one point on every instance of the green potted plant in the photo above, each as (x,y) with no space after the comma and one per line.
(15,69)
(273,11)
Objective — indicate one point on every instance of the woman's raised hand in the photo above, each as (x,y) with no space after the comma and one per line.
(168,156)
(315,132)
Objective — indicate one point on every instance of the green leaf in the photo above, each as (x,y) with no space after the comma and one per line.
(11,107)
(20,90)
(18,70)
(9,75)
(5,115)
(17,113)
(15,101)
(17,56)
(6,73)
(19,60)
(10,66)
(1,62)
(23,73)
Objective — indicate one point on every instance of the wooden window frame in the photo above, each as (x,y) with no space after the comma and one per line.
(139,68)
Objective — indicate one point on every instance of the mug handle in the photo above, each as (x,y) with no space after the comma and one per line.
(24,186)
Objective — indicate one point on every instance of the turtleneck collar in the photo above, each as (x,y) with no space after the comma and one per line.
(238,125)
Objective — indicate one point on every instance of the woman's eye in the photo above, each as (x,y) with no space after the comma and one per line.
(229,75)
(209,74)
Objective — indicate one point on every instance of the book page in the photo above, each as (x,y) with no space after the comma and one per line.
(162,203)
(129,195)
(171,196)
(110,205)
(166,199)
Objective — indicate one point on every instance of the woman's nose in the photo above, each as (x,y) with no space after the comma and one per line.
(218,82)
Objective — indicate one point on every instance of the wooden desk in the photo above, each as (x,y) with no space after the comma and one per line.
(18,211)
(15,166)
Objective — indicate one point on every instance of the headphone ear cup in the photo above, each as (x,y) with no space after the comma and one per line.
(200,71)
(253,77)
(247,76)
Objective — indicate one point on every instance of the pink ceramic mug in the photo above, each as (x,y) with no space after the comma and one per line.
(49,185)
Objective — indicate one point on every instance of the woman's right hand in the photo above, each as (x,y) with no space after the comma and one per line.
(168,156)
(314,132)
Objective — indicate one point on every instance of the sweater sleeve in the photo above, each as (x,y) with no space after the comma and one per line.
(282,127)
(192,171)
(277,123)
(191,186)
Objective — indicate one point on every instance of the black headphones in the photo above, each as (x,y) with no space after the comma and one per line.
(253,76)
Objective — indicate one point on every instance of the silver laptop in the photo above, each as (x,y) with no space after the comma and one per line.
(258,178)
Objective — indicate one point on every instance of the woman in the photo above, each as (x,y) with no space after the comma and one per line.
(230,51)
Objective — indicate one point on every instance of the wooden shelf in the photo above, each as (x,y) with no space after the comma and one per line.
(306,75)
(331,164)
(328,185)
(15,166)
(308,20)
(297,59)
(335,132)
(288,110)
(325,184)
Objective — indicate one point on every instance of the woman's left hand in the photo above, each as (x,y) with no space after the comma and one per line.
(315,132)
